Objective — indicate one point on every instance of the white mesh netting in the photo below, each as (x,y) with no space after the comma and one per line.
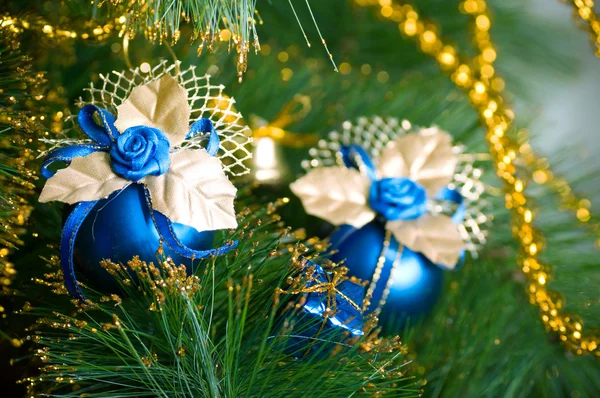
(374,133)
(204,99)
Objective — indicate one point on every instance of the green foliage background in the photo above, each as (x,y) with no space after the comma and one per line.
(483,338)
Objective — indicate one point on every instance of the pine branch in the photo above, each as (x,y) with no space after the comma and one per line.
(217,333)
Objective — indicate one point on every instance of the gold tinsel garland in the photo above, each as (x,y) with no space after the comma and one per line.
(587,19)
(18,86)
(478,79)
(86,31)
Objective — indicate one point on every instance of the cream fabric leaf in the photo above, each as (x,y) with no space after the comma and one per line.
(195,192)
(87,178)
(437,237)
(425,157)
(161,104)
(336,194)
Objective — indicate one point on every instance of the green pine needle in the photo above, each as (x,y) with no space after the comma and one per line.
(224,332)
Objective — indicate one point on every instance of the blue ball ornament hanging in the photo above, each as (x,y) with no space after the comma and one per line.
(402,284)
(329,316)
(121,227)
(406,207)
(146,179)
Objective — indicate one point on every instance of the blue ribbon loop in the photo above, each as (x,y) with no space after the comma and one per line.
(204,125)
(103,137)
(355,156)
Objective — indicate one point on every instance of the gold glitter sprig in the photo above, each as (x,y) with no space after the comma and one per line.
(587,19)
(311,283)
(477,78)
(85,31)
(212,22)
(20,87)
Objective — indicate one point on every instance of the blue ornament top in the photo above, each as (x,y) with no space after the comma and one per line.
(410,171)
(180,185)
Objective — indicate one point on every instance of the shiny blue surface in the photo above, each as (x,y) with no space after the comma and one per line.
(417,283)
(318,331)
(346,317)
(121,227)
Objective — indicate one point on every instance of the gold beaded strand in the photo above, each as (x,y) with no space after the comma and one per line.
(484,89)
(583,12)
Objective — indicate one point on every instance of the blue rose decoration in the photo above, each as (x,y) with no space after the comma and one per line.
(140,151)
(398,198)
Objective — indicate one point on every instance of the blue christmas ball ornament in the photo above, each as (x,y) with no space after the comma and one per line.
(121,227)
(415,284)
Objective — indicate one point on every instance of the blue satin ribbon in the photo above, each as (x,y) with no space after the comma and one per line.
(67,245)
(103,137)
(204,125)
(354,156)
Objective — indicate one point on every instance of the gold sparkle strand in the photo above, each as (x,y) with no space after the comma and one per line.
(20,84)
(390,281)
(568,327)
(58,33)
(540,168)
(583,12)
(484,95)
(378,269)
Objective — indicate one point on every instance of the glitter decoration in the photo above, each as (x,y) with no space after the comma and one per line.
(213,22)
(205,100)
(374,133)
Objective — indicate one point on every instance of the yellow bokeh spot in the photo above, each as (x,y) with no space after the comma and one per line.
(482,22)
(583,214)
(387,11)
(479,88)
(283,56)
(383,76)
(489,55)
(527,216)
(487,71)
(470,6)
(286,74)
(533,250)
(446,58)
(225,35)
(410,27)
(498,84)
(519,186)
(429,37)
(145,67)
(540,177)
(265,50)
(345,68)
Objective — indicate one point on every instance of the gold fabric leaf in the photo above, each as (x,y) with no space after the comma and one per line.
(336,194)
(162,104)
(87,178)
(425,157)
(437,237)
(195,192)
